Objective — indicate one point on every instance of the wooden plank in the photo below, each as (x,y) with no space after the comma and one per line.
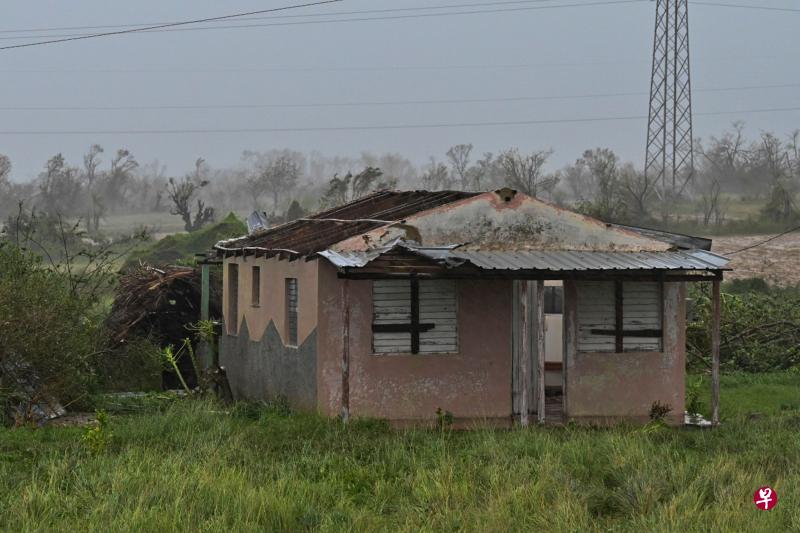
(716,310)
(540,351)
(346,352)
(515,348)
(525,355)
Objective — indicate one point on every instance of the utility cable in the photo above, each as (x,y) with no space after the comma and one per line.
(378,127)
(166,28)
(762,243)
(169,25)
(375,103)
(745,6)
(305,15)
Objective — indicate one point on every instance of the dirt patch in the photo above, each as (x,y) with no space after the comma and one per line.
(778,261)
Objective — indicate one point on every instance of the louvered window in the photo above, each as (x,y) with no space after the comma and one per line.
(291,311)
(233,299)
(619,316)
(255,296)
(414,316)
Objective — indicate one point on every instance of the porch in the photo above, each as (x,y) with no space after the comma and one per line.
(608,370)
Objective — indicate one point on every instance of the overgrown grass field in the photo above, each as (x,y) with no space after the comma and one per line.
(198,466)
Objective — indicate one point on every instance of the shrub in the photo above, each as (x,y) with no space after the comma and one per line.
(98,436)
(49,338)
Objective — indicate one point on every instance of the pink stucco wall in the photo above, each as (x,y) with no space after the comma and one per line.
(474,384)
(608,387)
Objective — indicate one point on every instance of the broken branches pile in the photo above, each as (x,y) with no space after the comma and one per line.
(760,330)
(158,304)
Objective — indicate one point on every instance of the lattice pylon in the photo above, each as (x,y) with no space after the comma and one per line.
(670,155)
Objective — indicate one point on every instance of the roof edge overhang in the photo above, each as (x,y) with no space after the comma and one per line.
(447,261)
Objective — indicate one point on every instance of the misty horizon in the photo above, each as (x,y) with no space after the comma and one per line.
(347,87)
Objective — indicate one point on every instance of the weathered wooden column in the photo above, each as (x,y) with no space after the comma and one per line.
(207,351)
(716,313)
(346,351)
(525,354)
(541,408)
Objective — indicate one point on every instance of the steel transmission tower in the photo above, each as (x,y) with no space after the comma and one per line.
(670,155)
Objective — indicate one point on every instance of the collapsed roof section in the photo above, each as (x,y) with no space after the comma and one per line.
(306,236)
(501,231)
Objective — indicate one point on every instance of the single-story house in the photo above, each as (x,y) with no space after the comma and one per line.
(497,307)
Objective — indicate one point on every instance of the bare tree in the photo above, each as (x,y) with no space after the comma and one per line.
(436,176)
(59,186)
(775,158)
(96,208)
(274,173)
(603,178)
(525,172)
(5,170)
(119,177)
(458,156)
(486,172)
(396,168)
(183,193)
(351,187)
(640,189)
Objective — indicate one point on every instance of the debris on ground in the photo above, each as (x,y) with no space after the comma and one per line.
(696,420)
(159,303)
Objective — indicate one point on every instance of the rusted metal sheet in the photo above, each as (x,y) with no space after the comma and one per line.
(483,231)
(677,240)
(304,237)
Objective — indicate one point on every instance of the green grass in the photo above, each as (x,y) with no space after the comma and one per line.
(181,247)
(196,466)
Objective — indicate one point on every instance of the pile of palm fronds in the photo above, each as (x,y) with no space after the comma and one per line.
(158,304)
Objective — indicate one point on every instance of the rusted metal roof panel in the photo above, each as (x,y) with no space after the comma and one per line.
(318,232)
(678,240)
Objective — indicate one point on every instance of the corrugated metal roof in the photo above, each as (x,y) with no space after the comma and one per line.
(678,240)
(320,231)
(587,261)
(552,261)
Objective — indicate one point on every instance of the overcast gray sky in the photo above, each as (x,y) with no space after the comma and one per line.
(563,51)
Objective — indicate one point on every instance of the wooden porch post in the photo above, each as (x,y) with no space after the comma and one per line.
(540,352)
(207,358)
(346,351)
(716,312)
(525,355)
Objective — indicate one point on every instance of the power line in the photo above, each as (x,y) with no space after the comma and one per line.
(367,68)
(305,15)
(379,127)
(377,103)
(746,6)
(762,243)
(164,28)
(169,25)
(249,17)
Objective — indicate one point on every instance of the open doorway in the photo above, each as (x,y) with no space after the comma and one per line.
(554,350)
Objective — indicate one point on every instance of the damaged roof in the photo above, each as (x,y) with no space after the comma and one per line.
(500,230)
(549,261)
(318,232)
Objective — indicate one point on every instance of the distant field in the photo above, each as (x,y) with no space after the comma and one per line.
(161,224)
(198,466)
(777,261)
